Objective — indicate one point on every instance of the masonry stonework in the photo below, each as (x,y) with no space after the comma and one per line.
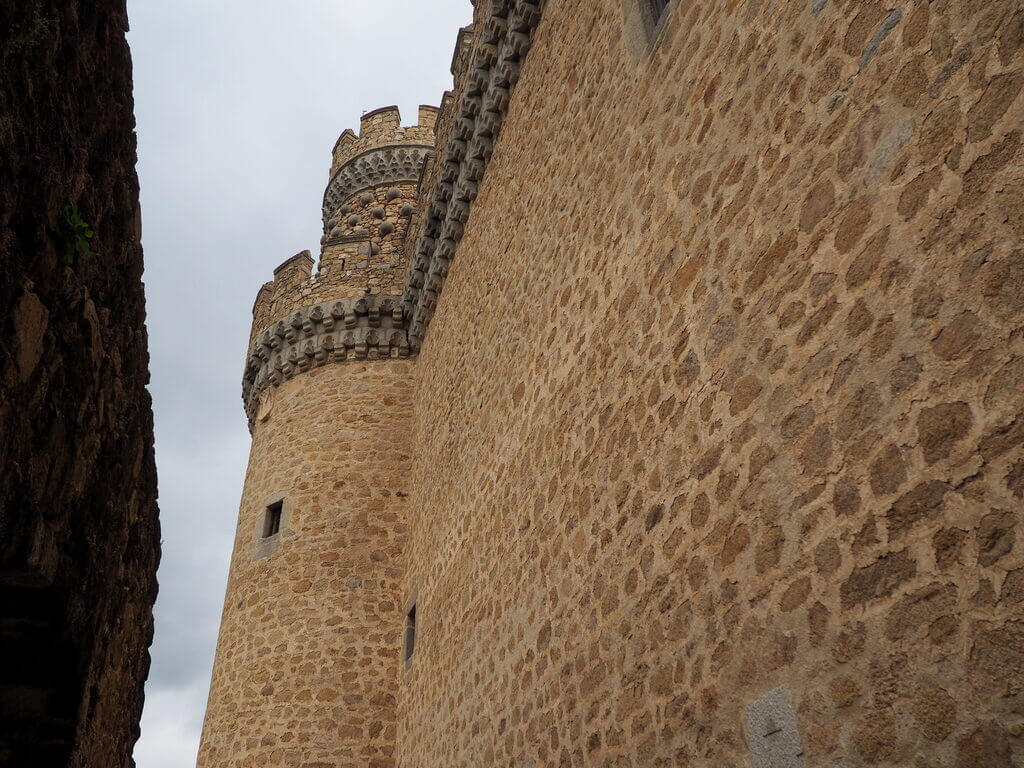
(715,448)
(79,528)
(308,658)
(370,198)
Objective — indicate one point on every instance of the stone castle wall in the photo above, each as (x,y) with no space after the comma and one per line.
(79,530)
(308,655)
(350,309)
(740,410)
(727,466)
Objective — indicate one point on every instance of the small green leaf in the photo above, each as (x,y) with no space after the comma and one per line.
(76,234)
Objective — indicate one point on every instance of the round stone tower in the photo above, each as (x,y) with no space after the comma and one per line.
(310,647)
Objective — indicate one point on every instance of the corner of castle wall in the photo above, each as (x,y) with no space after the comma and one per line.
(343,148)
(463,46)
(263,297)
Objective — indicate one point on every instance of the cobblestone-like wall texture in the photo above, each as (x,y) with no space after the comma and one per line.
(308,656)
(79,535)
(742,402)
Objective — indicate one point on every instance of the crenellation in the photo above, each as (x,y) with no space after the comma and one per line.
(343,149)
(427,117)
(383,128)
(369,207)
(463,50)
(380,123)
(294,270)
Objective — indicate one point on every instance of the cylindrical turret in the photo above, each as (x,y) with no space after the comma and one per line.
(309,652)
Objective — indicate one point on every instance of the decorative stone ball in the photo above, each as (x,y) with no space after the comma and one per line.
(345,209)
(394,193)
(365,199)
(353,220)
(360,232)
(387,228)
(336,232)
(406,210)
(378,212)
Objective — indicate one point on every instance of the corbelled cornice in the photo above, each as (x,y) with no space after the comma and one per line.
(357,328)
(374,326)
(504,46)
(400,163)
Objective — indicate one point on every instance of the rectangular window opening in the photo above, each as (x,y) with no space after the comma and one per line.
(272,522)
(410,633)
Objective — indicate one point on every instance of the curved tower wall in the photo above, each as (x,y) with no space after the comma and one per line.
(309,652)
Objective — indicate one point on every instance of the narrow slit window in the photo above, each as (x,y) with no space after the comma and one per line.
(272,522)
(410,633)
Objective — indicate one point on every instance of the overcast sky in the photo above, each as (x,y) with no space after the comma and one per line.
(239,103)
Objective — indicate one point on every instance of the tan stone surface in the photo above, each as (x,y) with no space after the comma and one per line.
(307,661)
(723,393)
(383,127)
(736,410)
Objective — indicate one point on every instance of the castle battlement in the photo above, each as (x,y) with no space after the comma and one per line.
(356,328)
(486,71)
(391,180)
(382,128)
(368,207)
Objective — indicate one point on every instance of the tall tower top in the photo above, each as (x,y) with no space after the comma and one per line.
(350,308)
(383,127)
(384,152)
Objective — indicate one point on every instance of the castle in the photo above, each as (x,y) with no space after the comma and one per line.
(656,401)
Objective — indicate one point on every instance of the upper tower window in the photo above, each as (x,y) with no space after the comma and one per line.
(273,525)
(272,521)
